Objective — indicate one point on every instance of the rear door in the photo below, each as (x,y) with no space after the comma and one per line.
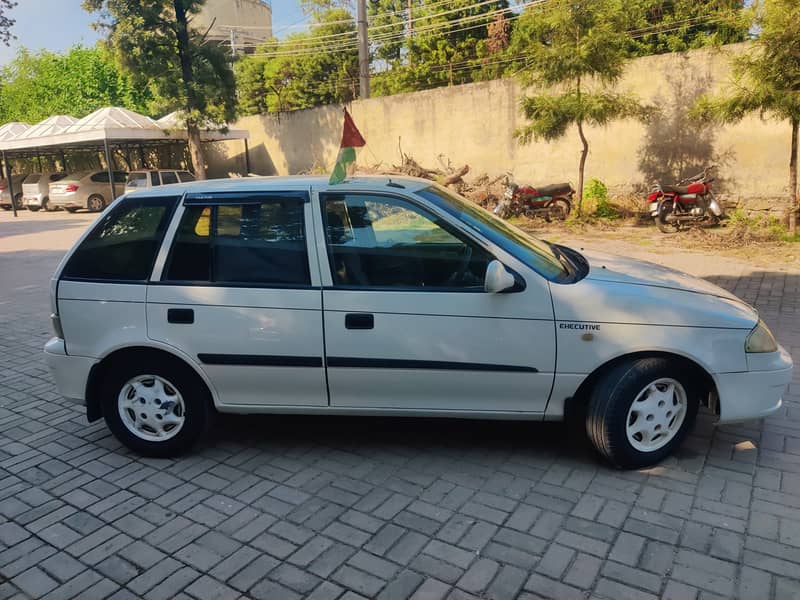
(237,291)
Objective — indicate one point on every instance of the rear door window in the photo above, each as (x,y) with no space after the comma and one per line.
(124,243)
(185,176)
(259,243)
(155,178)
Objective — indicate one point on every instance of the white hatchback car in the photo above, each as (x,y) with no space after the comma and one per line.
(387,297)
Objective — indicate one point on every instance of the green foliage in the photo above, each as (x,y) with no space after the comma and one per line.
(77,82)
(597,192)
(305,70)
(575,52)
(445,46)
(161,54)
(679,25)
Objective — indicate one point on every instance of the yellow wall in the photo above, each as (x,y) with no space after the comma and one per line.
(475,124)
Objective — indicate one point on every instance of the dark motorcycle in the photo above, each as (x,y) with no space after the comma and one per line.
(548,201)
(691,202)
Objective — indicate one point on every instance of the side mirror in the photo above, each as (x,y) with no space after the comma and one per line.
(498,279)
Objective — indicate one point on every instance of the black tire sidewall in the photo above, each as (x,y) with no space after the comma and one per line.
(96,197)
(622,385)
(196,398)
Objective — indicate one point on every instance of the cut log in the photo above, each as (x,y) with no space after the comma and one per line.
(456,177)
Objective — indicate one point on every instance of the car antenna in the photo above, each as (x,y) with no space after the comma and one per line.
(394,185)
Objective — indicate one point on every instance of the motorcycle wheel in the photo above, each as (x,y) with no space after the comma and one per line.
(560,209)
(664,226)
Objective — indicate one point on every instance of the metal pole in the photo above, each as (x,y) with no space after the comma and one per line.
(10,183)
(110,167)
(63,161)
(141,157)
(39,161)
(363,50)
(246,157)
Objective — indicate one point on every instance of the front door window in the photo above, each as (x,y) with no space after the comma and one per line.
(388,242)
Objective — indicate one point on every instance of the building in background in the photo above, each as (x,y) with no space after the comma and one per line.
(240,24)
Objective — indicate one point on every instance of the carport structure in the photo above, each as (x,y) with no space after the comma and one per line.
(103,131)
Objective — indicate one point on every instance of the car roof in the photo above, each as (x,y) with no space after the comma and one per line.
(287,183)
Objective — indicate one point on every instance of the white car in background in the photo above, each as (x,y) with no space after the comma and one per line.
(156,177)
(36,190)
(86,189)
(387,297)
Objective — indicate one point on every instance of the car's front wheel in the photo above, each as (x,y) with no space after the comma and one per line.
(156,407)
(641,410)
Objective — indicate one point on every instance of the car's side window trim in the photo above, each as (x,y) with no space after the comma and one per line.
(215,199)
(435,216)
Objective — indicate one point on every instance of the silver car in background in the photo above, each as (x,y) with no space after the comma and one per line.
(36,190)
(5,193)
(86,189)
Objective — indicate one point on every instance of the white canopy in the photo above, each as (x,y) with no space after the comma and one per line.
(9,131)
(52,126)
(112,124)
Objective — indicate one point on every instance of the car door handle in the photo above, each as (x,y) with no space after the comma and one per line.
(359,321)
(181,316)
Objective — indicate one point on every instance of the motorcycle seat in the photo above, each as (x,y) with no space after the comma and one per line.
(554,190)
(675,189)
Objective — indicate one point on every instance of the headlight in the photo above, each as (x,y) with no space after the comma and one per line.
(761,340)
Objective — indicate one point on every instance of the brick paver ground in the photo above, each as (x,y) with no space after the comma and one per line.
(285,508)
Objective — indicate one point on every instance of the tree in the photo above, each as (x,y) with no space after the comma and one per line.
(574,52)
(6,22)
(39,85)
(680,25)
(442,45)
(305,70)
(154,41)
(766,80)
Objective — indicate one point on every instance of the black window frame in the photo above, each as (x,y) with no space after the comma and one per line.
(125,206)
(213,201)
(437,219)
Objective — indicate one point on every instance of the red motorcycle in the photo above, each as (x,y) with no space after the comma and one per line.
(691,202)
(548,201)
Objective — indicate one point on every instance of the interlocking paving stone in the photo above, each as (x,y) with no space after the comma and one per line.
(335,509)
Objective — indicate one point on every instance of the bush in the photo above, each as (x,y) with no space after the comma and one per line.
(597,192)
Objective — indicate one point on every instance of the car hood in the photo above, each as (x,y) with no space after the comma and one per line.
(620,269)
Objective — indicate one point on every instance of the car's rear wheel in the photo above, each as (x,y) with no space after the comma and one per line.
(641,410)
(95,203)
(156,407)
(5,206)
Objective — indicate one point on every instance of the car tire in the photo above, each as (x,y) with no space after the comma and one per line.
(95,203)
(5,207)
(33,208)
(641,410)
(155,406)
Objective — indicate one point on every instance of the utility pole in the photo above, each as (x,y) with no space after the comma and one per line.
(410,28)
(363,50)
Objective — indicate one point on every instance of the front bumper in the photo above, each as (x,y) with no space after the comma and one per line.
(70,372)
(754,394)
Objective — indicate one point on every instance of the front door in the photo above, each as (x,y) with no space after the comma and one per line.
(408,324)
(237,293)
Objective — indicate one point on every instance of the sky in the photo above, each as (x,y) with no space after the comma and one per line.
(59,24)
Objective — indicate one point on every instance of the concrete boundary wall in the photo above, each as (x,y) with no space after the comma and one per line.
(475,124)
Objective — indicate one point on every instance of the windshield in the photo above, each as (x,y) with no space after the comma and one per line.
(533,252)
